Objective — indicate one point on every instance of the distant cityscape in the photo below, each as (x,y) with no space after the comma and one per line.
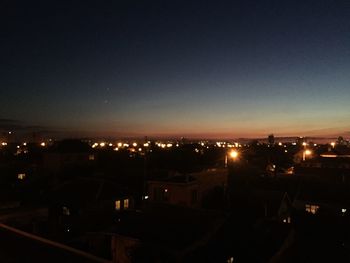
(158,201)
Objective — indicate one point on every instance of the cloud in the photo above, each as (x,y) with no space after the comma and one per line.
(19,126)
(9,124)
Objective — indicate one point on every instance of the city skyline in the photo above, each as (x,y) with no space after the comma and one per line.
(184,68)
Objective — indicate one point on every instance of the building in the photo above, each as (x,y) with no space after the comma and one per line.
(162,234)
(86,204)
(187,190)
(65,154)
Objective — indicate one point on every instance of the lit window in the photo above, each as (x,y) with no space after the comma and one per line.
(117,205)
(91,157)
(126,203)
(65,211)
(287,220)
(311,208)
(21,176)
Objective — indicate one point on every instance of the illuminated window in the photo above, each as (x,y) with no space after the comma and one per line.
(117,205)
(65,211)
(91,157)
(126,203)
(311,208)
(287,220)
(343,211)
(21,176)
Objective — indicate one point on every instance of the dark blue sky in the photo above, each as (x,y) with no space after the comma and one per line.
(184,68)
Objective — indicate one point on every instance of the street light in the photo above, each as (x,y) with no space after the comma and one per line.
(306,153)
(234,154)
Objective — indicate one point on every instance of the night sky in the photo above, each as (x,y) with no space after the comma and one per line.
(176,68)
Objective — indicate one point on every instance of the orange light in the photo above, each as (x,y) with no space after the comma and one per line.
(308,152)
(233,154)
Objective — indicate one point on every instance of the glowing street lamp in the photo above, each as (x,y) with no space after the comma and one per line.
(232,154)
(306,153)
(333,144)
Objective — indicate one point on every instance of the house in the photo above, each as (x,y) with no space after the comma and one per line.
(187,190)
(67,153)
(179,190)
(323,198)
(162,233)
(332,165)
(85,204)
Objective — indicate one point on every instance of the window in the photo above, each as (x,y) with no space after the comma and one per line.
(91,157)
(21,176)
(117,205)
(65,211)
(311,208)
(126,203)
(287,220)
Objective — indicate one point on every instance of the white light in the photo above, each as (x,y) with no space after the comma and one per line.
(43,144)
(4,143)
(146,197)
(343,210)
(21,176)
(102,144)
(169,145)
(146,144)
(116,149)
(110,145)
(24,144)
(120,144)
(280,144)
(134,144)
